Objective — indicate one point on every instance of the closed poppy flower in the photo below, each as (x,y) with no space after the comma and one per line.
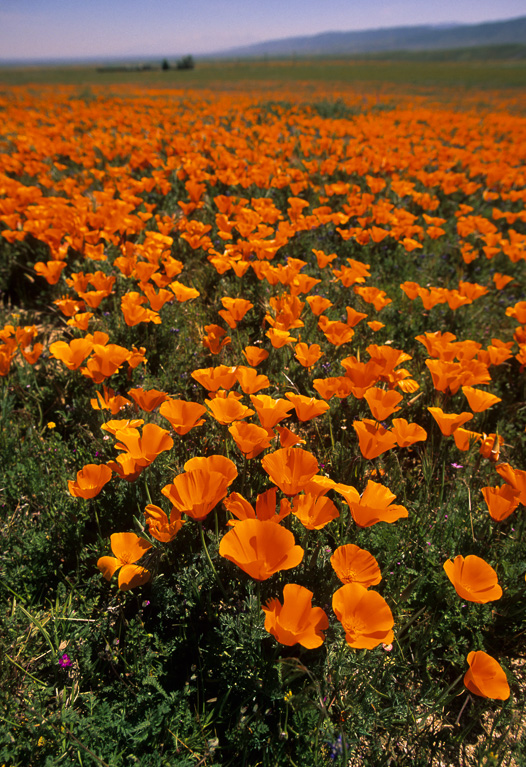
(479,400)
(147,400)
(182,415)
(516,478)
(318,304)
(128,548)
(254,355)
(474,580)
(90,480)
(501,501)
(182,293)
(448,422)
(160,526)
(296,621)
(373,438)
(216,338)
(465,439)
(290,468)
(490,446)
(279,338)
(364,615)
(355,565)
(126,467)
(249,438)
(260,548)
(314,512)
(486,677)
(287,438)
(382,403)
(307,407)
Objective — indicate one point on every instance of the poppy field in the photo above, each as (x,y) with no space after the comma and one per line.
(263,413)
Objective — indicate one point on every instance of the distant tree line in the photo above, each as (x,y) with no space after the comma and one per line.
(186,62)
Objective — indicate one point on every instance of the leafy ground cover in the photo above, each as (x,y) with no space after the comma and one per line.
(263,427)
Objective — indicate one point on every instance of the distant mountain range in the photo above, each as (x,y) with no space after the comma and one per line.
(418,38)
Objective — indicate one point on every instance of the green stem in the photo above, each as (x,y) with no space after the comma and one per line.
(216,574)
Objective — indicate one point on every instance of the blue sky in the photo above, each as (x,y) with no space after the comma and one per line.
(82,28)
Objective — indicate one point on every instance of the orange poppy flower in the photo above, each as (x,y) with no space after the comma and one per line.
(144,448)
(465,439)
(375,505)
(105,361)
(279,338)
(128,549)
(307,355)
(479,400)
(216,339)
(364,615)
(355,565)
(448,422)
(250,381)
(249,438)
(486,677)
(118,424)
(197,492)
(260,548)
(90,480)
(219,463)
(234,311)
(51,270)
(126,467)
(515,478)
(182,415)
(373,438)
(182,293)
(159,525)
(220,377)
(407,434)
(270,411)
(290,468)
(254,355)
(314,511)
(296,621)
(147,400)
(382,403)
(72,354)
(108,400)
(307,407)
(228,409)
(501,501)
(318,304)
(265,507)
(287,438)
(474,580)
(490,446)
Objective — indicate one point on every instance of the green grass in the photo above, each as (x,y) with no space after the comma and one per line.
(419,71)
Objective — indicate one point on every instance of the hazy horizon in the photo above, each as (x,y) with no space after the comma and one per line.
(33,30)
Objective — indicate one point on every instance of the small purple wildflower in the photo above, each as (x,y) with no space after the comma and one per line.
(65,661)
